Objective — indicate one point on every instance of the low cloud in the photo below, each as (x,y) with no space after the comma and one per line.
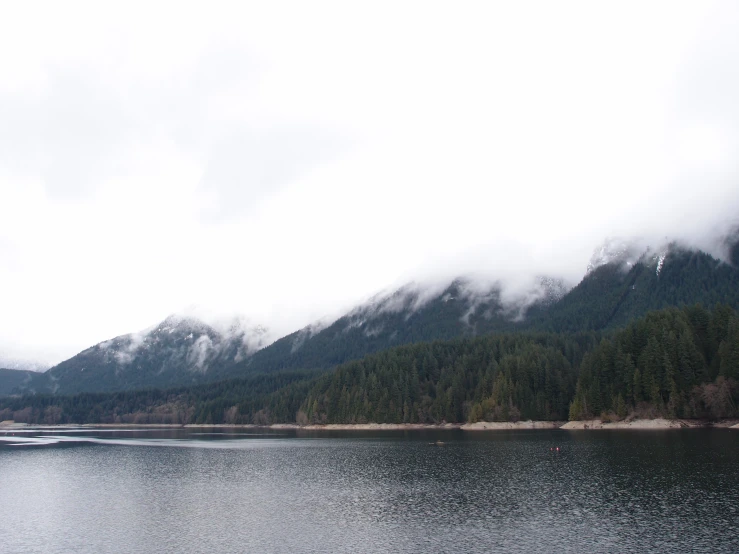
(287,168)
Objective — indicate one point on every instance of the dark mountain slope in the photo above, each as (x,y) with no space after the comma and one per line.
(403,317)
(178,351)
(674,362)
(623,288)
(16,381)
(621,285)
(614,294)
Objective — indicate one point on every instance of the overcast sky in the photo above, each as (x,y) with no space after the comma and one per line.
(286,160)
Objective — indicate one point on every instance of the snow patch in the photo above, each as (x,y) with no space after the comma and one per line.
(660,263)
(617,250)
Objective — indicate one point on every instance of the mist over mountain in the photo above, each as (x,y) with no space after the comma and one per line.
(10,362)
(624,280)
(179,350)
(730,246)
(13,381)
(614,293)
(413,313)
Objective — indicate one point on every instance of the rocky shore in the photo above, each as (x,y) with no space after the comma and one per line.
(633,424)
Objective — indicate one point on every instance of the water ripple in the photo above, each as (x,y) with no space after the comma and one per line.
(502,492)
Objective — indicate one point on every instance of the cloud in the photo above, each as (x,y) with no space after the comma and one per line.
(248,165)
(286,163)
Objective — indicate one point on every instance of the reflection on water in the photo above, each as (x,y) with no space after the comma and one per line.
(173,490)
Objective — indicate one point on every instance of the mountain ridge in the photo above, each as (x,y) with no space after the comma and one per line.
(620,285)
(179,350)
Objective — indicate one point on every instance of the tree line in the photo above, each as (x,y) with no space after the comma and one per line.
(677,362)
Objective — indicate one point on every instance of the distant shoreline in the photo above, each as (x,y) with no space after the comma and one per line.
(593,424)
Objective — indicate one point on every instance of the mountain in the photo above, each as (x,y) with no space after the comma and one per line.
(731,246)
(624,281)
(669,363)
(185,351)
(178,351)
(413,313)
(13,381)
(627,286)
(9,362)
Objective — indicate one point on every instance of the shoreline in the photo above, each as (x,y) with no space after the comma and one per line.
(584,425)
(650,424)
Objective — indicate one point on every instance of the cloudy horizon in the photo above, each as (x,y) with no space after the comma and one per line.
(284,163)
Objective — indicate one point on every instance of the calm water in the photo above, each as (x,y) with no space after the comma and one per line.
(190,491)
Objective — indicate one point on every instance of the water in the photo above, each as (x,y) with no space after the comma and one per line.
(193,491)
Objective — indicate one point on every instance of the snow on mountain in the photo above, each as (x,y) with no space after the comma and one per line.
(178,351)
(189,342)
(463,303)
(11,362)
(627,253)
(660,262)
(616,251)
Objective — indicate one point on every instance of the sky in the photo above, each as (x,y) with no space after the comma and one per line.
(284,161)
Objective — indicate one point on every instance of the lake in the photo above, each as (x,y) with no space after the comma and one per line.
(226,490)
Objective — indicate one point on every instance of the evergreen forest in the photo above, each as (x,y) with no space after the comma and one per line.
(676,362)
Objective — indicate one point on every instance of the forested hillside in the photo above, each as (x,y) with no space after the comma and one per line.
(181,352)
(497,377)
(233,401)
(673,363)
(12,380)
(608,297)
(400,318)
(614,294)
(678,363)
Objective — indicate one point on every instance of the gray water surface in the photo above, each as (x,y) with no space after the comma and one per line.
(215,490)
